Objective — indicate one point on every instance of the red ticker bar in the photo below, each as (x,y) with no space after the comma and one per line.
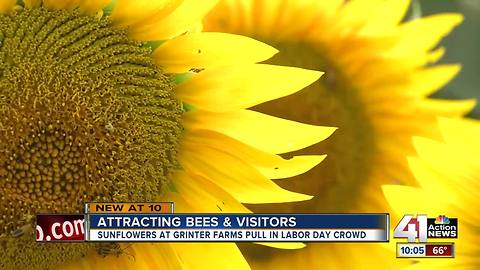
(439,250)
(60,228)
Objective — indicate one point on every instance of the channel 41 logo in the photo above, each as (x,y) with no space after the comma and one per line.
(422,227)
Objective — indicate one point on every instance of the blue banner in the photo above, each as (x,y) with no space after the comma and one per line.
(238,221)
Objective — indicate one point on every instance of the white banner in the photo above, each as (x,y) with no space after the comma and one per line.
(236,235)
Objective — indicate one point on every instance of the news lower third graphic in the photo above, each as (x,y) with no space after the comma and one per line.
(157,222)
(236,228)
(423,228)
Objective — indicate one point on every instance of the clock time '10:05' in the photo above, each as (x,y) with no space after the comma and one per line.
(418,250)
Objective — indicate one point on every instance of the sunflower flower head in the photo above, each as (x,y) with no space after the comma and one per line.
(379,74)
(376,84)
(127,101)
(447,173)
(80,101)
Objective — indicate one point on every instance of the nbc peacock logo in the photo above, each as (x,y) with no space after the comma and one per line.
(442,219)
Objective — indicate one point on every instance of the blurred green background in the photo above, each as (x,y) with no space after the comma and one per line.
(463,46)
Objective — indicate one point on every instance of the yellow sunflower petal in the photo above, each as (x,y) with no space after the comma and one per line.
(445,180)
(207,50)
(433,263)
(153,256)
(236,177)
(465,130)
(435,55)
(32,3)
(93,6)
(196,28)
(439,156)
(428,178)
(411,200)
(389,14)
(130,13)
(354,14)
(61,4)
(449,108)
(264,132)
(168,256)
(269,11)
(291,167)
(427,81)
(237,87)
(283,245)
(180,20)
(270,165)
(7,5)
(200,195)
(426,32)
(213,256)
